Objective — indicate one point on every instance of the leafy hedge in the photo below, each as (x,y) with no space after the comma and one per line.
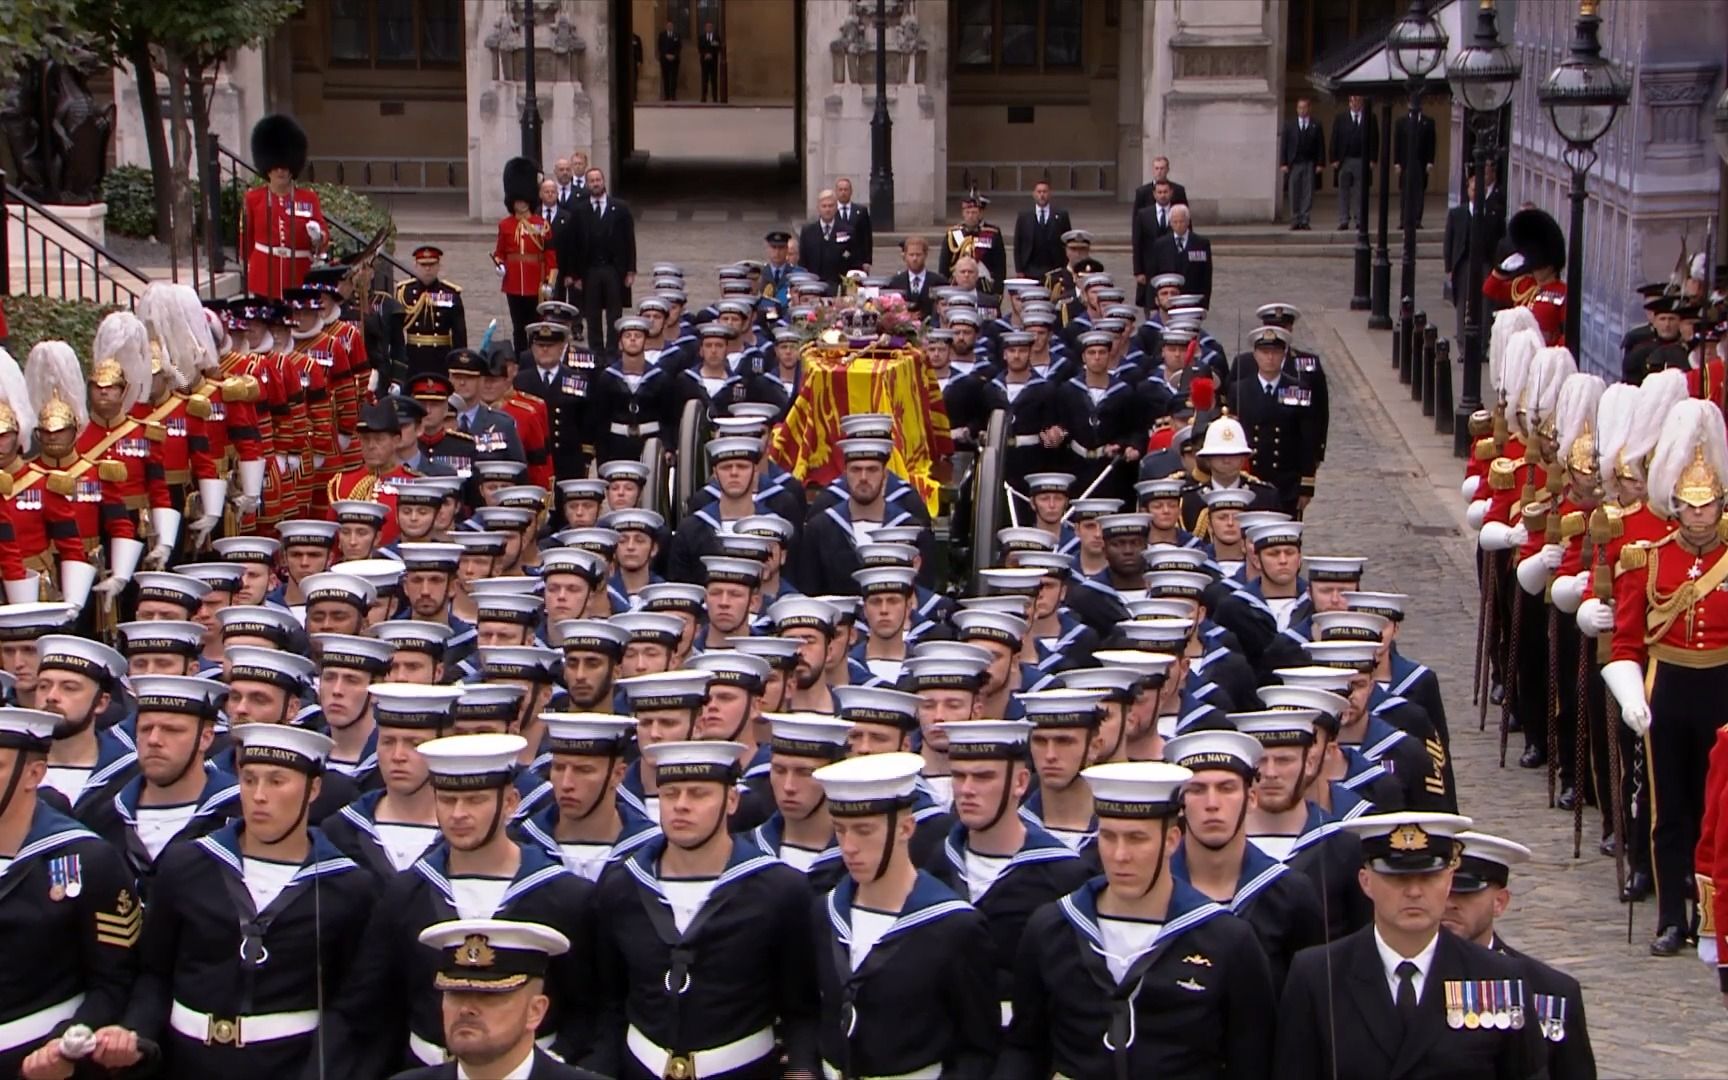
(33,319)
(131,200)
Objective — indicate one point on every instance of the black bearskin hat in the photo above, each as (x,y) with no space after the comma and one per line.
(1535,235)
(521,183)
(278,143)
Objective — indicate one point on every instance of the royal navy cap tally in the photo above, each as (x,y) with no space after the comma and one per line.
(725,569)
(161,636)
(943,672)
(489,702)
(526,663)
(699,760)
(584,564)
(186,695)
(220,577)
(516,608)
(1275,534)
(173,588)
(877,705)
(1316,676)
(1333,567)
(1139,790)
(479,762)
(1386,604)
(316,533)
(592,635)
(340,587)
(728,667)
(1277,726)
(602,542)
(415,635)
(1013,580)
(793,612)
(27,729)
(1000,627)
(297,748)
(413,705)
(987,740)
(247,549)
(1065,707)
(384,575)
(1018,538)
(781,654)
(807,735)
(1360,656)
(81,655)
(1486,861)
(1111,683)
(871,785)
(368,654)
(634,519)
(650,627)
(430,557)
(679,689)
(676,596)
(1350,626)
(274,667)
(587,734)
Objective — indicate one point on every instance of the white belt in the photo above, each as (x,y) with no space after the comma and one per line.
(428,1052)
(714,1061)
(652,427)
(1026,440)
(1089,455)
(1007,1013)
(34,1027)
(929,1072)
(281,252)
(237,1031)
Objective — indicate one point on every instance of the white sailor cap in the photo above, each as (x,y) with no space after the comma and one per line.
(359,512)
(1017,339)
(602,542)
(1092,509)
(1333,567)
(876,705)
(673,596)
(878,554)
(1098,279)
(27,729)
(943,672)
(961,315)
(514,518)
(526,663)
(489,702)
(1168,281)
(1407,842)
(422,493)
(521,497)
(1236,498)
(583,487)
(861,449)
(413,705)
(734,448)
(1329,705)
(987,740)
(1159,607)
(633,519)
(69,652)
(1278,310)
(1019,538)
(867,425)
(479,762)
(1175,337)
(1278,727)
(779,653)
(765,526)
(741,546)
(186,695)
(1389,604)
(1140,790)
(502,470)
(276,667)
(807,735)
(1164,487)
(792,612)
(247,549)
(649,627)
(315,532)
(663,690)
(1150,665)
(221,577)
(1015,604)
(1066,707)
(587,734)
(1037,483)
(947,650)
(1052,564)
(870,785)
(349,651)
(431,557)
(1113,683)
(1350,626)
(179,637)
(1331,679)
(1101,339)
(482,543)
(592,635)
(188,592)
(626,323)
(384,575)
(994,626)
(726,569)
(297,748)
(749,426)
(728,667)
(1347,655)
(491,956)
(873,580)
(517,608)
(415,635)
(1173,633)
(1253,519)
(1012,580)
(1115,525)
(1486,860)
(569,560)
(695,760)
(345,588)
(758,410)
(1214,749)
(1275,534)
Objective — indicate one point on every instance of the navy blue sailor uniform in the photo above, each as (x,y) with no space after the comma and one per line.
(1282,906)
(625,416)
(587,861)
(822,870)
(1329,857)
(1096,418)
(77,792)
(831,548)
(142,837)
(381,848)
(1032,407)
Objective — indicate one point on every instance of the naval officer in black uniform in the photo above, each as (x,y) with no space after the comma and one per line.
(1281,420)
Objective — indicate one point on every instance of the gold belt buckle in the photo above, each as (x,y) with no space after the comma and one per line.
(224,1033)
(680,1067)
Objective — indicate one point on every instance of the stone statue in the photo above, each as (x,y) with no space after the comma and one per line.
(56,137)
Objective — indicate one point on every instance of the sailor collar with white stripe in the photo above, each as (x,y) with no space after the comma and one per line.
(770,836)
(49,830)
(928,901)
(219,793)
(747,857)
(1038,846)
(841,512)
(322,857)
(1258,871)
(1188,908)
(633,832)
(535,868)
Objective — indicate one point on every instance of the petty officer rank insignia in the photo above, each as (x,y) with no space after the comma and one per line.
(1488,1004)
(65,878)
(121,926)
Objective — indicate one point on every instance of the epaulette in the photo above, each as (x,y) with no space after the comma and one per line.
(240,388)
(1634,557)
(1503,474)
(111,472)
(460,435)
(5,485)
(452,286)
(1605,524)
(153,431)
(402,287)
(198,407)
(1572,524)
(61,483)
(1485,449)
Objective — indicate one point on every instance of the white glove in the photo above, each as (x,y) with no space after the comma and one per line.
(158,557)
(24,590)
(109,587)
(282,464)
(296,463)
(1569,591)
(1625,680)
(314,233)
(1532,575)
(1512,263)
(1595,618)
(317,462)
(123,556)
(77,1042)
(1474,514)
(372,383)
(1706,953)
(1551,556)
(76,577)
(252,477)
(246,505)
(1499,536)
(1471,483)
(345,441)
(500,269)
(202,528)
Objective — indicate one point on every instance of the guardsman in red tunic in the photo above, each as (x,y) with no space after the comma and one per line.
(374,480)
(342,352)
(1709,380)
(315,357)
(302,381)
(35,524)
(523,254)
(1710,861)
(1670,656)
(282,225)
(1530,276)
(120,377)
(193,415)
(533,425)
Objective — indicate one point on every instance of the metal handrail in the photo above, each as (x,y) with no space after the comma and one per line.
(236,164)
(35,235)
(984,175)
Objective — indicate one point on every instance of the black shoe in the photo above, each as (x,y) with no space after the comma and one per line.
(1568,799)
(1533,757)
(1497,694)
(1343,226)
(1295,226)
(1610,846)
(1639,885)
(1669,941)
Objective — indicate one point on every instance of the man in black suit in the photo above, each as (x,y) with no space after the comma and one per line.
(1405,997)
(1151,224)
(1425,145)
(708,55)
(607,258)
(1480,896)
(855,219)
(1355,148)
(917,281)
(1160,171)
(824,246)
(1302,160)
(1183,251)
(667,47)
(1038,235)
(1455,252)
(557,372)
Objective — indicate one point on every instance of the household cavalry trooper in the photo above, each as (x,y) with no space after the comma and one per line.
(583,824)
(69,919)
(704,938)
(43,523)
(199,443)
(1137,973)
(1003,864)
(433,323)
(249,930)
(120,377)
(387,1011)
(904,966)
(800,832)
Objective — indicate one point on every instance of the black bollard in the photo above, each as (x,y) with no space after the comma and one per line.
(1444,421)
(1430,339)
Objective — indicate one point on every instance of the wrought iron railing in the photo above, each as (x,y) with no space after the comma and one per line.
(58,259)
(393,175)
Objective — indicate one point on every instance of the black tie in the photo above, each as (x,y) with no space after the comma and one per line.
(1406,1001)
(1182,244)
(1162,222)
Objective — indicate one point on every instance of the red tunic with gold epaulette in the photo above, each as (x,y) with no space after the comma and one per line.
(524,250)
(245,402)
(94,490)
(43,525)
(182,437)
(1707,382)
(1695,635)
(534,427)
(1546,301)
(1509,477)
(366,484)
(128,441)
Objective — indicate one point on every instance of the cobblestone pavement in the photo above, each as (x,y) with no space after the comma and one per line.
(1389,491)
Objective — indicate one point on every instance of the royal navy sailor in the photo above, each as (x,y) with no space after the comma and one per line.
(390,827)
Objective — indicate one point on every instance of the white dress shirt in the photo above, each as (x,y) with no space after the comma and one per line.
(1390,959)
(523,1070)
